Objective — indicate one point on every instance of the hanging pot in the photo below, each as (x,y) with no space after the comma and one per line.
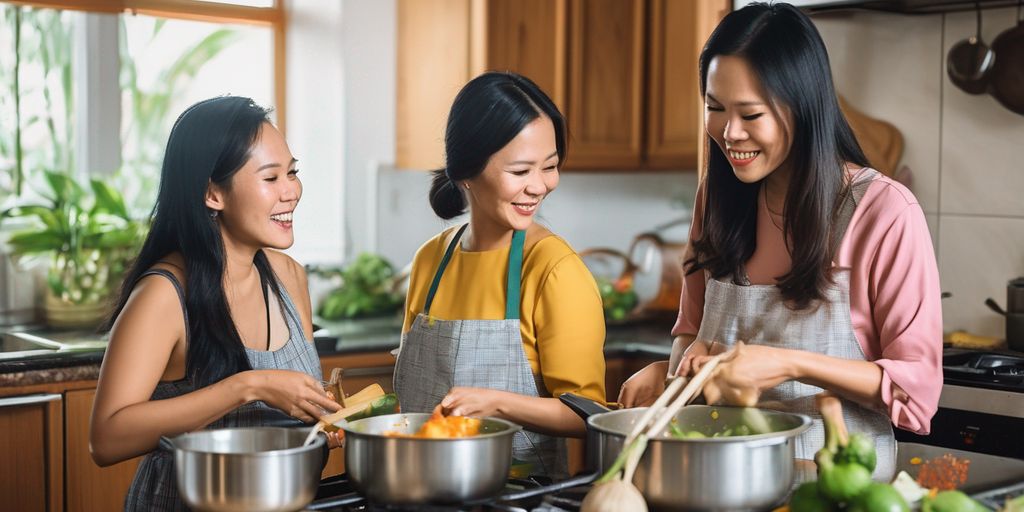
(969,62)
(1006,82)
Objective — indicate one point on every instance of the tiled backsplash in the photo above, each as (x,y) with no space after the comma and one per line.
(962,149)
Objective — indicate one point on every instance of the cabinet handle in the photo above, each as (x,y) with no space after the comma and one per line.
(28,400)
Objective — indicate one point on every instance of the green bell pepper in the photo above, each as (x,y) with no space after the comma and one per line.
(879,497)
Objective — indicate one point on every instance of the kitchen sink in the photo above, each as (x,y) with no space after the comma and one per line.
(31,344)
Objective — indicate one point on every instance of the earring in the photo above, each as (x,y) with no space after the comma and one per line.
(213,214)
(467,185)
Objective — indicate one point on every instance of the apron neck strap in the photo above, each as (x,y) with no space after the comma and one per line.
(848,205)
(515,272)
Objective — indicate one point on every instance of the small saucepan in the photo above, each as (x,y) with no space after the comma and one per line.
(1007,84)
(246,469)
(408,470)
(748,472)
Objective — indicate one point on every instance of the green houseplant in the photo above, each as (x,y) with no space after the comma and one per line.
(89,238)
(368,288)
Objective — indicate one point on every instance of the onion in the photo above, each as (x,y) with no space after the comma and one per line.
(614,496)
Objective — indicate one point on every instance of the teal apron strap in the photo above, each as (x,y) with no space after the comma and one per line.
(440,268)
(515,273)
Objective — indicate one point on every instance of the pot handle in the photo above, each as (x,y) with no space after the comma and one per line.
(584,407)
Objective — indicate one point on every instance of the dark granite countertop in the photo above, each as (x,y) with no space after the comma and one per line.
(332,338)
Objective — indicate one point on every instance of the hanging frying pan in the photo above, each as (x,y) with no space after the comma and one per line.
(969,62)
(1006,83)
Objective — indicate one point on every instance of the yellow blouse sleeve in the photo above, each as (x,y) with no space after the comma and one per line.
(569,323)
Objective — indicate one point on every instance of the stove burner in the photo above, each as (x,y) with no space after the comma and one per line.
(985,369)
(533,494)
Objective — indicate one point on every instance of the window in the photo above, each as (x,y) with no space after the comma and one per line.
(36,124)
(165,56)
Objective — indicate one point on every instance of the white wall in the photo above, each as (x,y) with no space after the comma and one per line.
(962,149)
(315,128)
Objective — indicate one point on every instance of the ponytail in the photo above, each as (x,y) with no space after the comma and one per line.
(445,197)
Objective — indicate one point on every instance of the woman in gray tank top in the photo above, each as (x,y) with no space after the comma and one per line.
(213,326)
(772,262)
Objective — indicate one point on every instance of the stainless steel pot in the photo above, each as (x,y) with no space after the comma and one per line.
(403,470)
(247,469)
(722,473)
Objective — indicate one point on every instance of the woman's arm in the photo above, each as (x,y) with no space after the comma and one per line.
(761,367)
(539,414)
(146,335)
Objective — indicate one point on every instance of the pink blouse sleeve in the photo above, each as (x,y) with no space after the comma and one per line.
(904,294)
(691,300)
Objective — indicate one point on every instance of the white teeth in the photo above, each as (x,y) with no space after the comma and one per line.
(282,217)
(527,207)
(736,155)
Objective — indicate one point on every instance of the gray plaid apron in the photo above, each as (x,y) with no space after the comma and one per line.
(437,355)
(154,487)
(758,314)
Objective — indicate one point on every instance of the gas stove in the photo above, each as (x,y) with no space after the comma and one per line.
(980,416)
(988,370)
(532,494)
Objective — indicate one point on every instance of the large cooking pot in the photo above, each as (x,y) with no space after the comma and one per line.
(247,469)
(407,470)
(716,473)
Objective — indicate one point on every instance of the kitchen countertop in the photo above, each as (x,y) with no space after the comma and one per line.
(333,338)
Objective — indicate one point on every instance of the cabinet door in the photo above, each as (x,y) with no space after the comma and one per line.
(606,54)
(90,487)
(432,65)
(528,37)
(673,94)
(31,448)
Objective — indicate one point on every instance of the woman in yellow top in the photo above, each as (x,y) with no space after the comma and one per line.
(501,314)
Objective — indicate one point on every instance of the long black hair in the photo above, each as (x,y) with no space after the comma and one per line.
(487,114)
(787,54)
(209,143)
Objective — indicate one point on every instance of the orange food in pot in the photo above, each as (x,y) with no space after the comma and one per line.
(444,427)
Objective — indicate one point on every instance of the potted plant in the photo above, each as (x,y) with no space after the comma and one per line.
(89,238)
(365,300)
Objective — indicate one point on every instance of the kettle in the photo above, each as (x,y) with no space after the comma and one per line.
(653,266)
(1014,313)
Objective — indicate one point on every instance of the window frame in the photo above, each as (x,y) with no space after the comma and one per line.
(274,17)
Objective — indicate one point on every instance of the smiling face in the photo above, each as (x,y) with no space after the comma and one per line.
(256,210)
(517,178)
(739,117)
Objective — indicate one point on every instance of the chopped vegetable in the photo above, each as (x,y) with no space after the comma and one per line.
(908,487)
(951,501)
(944,473)
(444,427)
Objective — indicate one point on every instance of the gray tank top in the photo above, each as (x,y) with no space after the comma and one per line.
(154,487)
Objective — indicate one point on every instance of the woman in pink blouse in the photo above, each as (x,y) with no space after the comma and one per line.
(823,266)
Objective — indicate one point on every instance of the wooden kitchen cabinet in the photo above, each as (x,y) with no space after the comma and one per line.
(32,449)
(623,72)
(90,487)
(605,113)
(442,44)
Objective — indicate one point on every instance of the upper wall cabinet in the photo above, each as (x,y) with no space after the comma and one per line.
(624,72)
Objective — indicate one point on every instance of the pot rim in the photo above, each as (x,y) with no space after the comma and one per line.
(766,439)
(317,444)
(349,428)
